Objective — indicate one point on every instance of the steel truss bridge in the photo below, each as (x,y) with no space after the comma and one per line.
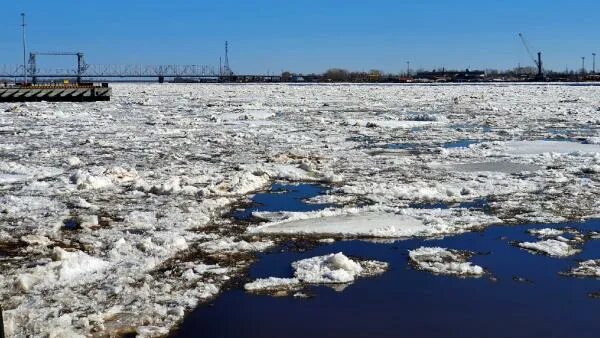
(149,72)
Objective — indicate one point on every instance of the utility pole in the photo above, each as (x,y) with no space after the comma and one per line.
(593,63)
(407,68)
(24,50)
(583,65)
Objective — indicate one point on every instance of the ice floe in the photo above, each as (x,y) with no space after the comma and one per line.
(551,247)
(546,232)
(444,261)
(589,268)
(372,222)
(328,269)
(541,147)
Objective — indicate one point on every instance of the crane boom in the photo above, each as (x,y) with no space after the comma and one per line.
(537,62)
(526,45)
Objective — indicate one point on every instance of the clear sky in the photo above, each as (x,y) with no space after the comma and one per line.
(309,35)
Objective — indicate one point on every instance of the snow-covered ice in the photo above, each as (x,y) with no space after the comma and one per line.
(150,176)
(546,232)
(551,247)
(328,269)
(589,268)
(444,261)
(541,147)
(365,224)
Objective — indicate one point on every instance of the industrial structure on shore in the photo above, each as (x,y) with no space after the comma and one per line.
(76,91)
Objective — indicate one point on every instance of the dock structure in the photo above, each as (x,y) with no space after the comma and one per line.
(55,93)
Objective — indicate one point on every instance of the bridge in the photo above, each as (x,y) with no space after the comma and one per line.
(183,73)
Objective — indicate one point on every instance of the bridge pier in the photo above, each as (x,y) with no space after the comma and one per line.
(161,79)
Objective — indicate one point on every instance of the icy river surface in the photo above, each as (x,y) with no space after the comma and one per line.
(296,210)
(518,296)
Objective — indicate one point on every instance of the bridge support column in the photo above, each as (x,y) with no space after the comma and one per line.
(161,79)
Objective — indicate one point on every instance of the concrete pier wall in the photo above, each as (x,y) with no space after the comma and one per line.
(53,93)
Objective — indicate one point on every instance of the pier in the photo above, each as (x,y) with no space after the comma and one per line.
(55,93)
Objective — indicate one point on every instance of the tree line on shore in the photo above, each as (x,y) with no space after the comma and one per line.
(375,75)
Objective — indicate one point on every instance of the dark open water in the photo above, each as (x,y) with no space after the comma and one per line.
(524,295)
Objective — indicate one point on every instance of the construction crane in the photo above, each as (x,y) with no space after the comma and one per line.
(537,62)
(81,65)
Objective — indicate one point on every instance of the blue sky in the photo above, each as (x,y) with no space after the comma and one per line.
(306,36)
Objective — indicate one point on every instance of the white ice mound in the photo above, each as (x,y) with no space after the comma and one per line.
(333,268)
(444,261)
(272,284)
(328,269)
(590,268)
(546,232)
(541,147)
(370,224)
(68,267)
(85,180)
(551,247)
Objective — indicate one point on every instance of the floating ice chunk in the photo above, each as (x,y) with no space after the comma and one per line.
(330,199)
(443,261)
(292,173)
(206,290)
(546,232)
(64,332)
(171,186)
(328,269)
(141,219)
(83,204)
(228,244)
(87,221)
(334,268)
(68,267)
(121,175)
(273,284)
(189,274)
(74,161)
(75,264)
(151,331)
(243,183)
(589,268)
(551,247)
(392,124)
(206,268)
(84,180)
(370,224)
(495,166)
(541,147)
(36,240)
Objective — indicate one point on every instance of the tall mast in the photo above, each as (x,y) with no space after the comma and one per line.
(24,49)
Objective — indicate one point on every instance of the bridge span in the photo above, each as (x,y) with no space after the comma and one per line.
(160,73)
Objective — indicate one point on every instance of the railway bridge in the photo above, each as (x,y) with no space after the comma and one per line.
(160,73)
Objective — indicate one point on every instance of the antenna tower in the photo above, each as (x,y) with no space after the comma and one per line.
(226,70)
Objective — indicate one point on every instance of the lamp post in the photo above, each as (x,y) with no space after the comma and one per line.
(24,49)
